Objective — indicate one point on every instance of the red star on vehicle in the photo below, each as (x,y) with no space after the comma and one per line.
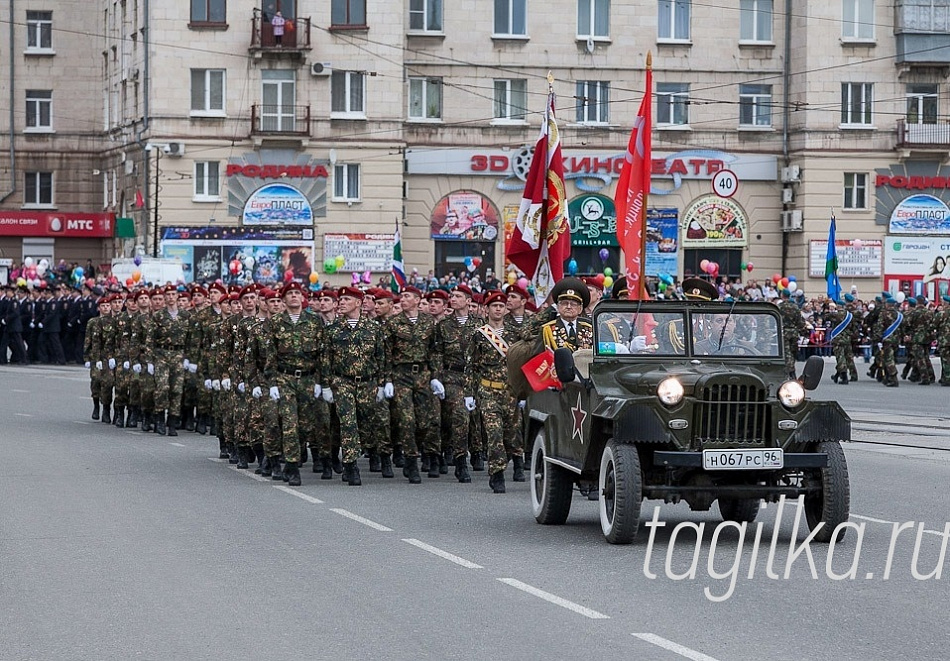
(579,415)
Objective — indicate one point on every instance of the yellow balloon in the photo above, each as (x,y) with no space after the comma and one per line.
(512,278)
(608,282)
(340,261)
(314,277)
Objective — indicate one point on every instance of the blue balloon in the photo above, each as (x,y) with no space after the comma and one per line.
(137,260)
(572,267)
(78,271)
(468,261)
(792,278)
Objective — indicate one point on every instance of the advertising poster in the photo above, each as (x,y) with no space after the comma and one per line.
(186,255)
(277,204)
(361,252)
(207,263)
(917,265)
(714,222)
(920,214)
(266,264)
(299,260)
(857,258)
(593,220)
(662,244)
(510,216)
(465,215)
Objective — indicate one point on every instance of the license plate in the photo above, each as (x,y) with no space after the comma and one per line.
(737,460)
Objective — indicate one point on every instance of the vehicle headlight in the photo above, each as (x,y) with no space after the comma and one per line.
(791,394)
(670,391)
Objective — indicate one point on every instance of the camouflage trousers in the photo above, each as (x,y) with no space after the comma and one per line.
(101,383)
(299,414)
(123,385)
(920,359)
(791,352)
(169,381)
(889,361)
(189,393)
(944,352)
(241,417)
(844,358)
(457,417)
(205,396)
(418,421)
(327,438)
(265,416)
(147,391)
(495,408)
(135,389)
(356,410)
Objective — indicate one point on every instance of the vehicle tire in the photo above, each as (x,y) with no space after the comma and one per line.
(551,487)
(739,509)
(621,492)
(832,505)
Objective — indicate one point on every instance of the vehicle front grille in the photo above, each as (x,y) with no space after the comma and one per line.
(732,415)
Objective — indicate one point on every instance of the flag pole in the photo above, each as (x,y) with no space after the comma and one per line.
(646,194)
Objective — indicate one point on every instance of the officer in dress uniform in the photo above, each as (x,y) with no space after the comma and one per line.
(569,329)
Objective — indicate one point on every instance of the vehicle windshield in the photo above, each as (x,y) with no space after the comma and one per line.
(735,333)
(645,333)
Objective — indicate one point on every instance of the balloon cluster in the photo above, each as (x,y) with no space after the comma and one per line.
(746,266)
(666,281)
(712,268)
(781,282)
(472,263)
(333,264)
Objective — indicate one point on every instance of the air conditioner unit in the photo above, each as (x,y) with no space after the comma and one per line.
(788,196)
(320,69)
(176,148)
(792,220)
(792,174)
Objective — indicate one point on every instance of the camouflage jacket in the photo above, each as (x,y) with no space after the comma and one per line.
(451,347)
(141,324)
(92,330)
(885,319)
(255,353)
(243,336)
(103,342)
(354,352)
(166,336)
(844,337)
(408,343)
(793,323)
(294,346)
(124,322)
(484,359)
(942,326)
(923,329)
(212,323)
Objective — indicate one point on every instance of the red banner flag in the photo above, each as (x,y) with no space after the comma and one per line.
(139,200)
(540,371)
(541,242)
(633,187)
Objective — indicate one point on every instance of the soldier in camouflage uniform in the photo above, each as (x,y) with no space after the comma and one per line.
(265,418)
(921,340)
(942,330)
(242,333)
(140,322)
(876,371)
(192,382)
(211,321)
(164,350)
(92,355)
(410,348)
(123,370)
(293,359)
(841,322)
(793,325)
(888,329)
(194,355)
(224,348)
(908,328)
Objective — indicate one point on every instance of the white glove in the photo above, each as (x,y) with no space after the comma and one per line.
(257,392)
(216,384)
(317,390)
(469,403)
(112,363)
(32,325)
(437,388)
(192,368)
(125,365)
(328,395)
(388,391)
(226,384)
(241,387)
(207,384)
(638,343)
(88,364)
(521,404)
(380,394)
(151,368)
(40,324)
(137,368)
(98,364)
(274,393)
(186,363)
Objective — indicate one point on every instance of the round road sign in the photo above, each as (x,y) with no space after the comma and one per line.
(725,183)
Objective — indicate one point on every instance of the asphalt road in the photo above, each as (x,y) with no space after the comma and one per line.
(116,545)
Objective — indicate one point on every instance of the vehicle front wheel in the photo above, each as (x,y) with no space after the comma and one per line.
(551,487)
(739,509)
(621,492)
(832,505)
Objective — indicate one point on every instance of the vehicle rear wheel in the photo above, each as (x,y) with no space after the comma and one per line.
(621,492)
(551,487)
(832,505)
(739,509)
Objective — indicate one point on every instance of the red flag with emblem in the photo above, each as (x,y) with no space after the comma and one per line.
(540,371)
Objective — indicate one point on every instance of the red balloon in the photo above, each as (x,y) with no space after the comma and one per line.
(704,266)
(748,267)
(477,261)
(784,283)
(776,278)
(129,282)
(288,276)
(600,279)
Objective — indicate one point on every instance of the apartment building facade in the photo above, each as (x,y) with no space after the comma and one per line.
(283,153)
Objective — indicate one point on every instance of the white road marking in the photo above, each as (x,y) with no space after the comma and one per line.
(676,648)
(359,519)
(443,554)
(15,390)
(81,422)
(246,472)
(178,445)
(893,523)
(301,495)
(554,599)
(24,415)
(217,460)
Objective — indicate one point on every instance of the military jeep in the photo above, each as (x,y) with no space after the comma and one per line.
(685,400)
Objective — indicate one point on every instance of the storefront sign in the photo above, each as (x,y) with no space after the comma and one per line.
(917,264)
(593,221)
(662,234)
(857,258)
(277,204)
(465,215)
(276,171)
(54,224)
(361,252)
(920,214)
(712,221)
(300,171)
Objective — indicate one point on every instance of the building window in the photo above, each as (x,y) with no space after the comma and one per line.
(511,17)
(347,97)
(38,189)
(593,101)
(855,190)
(858,20)
(425,98)
(856,100)
(672,104)
(207,181)
(755,20)
(209,11)
(39,110)
(348,14)
(921,104)
(511,99)
(207,91)
(425,15)
(39,30)
(673,20)
(346,182)
(593,18)
(755,105)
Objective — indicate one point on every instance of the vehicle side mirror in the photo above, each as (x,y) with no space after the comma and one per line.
(564,365)
(811,375)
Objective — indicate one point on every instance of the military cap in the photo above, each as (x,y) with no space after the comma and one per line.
(411,290)
(397,298)
(946,299)
(620,287)
(515,289)
(234,289)
(697,289)
(440,294)
(383,293)
(591,281)
(156,291)
(477,298)
(326,292)
(465,289)
(217,286)
(185,294)
(922,299)
(353,292)
(530,306)
(292,286)
(848,298)
(912,302)
(495,297)
(878,299)
(268,294)
(234,298)
(571,289)
(372,292)
(249,289)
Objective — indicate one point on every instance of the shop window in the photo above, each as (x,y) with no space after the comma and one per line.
(728,260)
(450,257)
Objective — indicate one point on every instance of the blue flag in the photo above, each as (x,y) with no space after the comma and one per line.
(831,265)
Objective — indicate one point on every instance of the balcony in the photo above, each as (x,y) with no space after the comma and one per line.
(279,123)
(293,43)
(922,29)
(924,138)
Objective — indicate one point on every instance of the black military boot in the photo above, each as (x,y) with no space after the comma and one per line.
(399,459)
(303,455)
(353,474)
(443,466)
(386,467)
(160,424)
(190,422)
(243,452)
(201,424)
(497,482)
(434,464)
(327,468)
(222,449)
(212,426)
(119,419)
(146,422)
(478,463)
(336,463)
(518,470)
(277,473)
(424,462)
(133,420)
(258,449)
(411,470)
(95,408)
(173,425)
(843,379)
(834,377)
(292,472)
(374,464)
(232,453)
(106,417)
(461,470)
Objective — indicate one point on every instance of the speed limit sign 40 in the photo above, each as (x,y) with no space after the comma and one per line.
(725,183)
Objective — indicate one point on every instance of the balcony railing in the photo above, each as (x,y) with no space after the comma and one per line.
(930,136)
(293,41)
(277,120)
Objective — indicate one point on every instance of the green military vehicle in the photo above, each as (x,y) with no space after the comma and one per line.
(685,400)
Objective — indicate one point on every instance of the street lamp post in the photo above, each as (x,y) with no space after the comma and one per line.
(159,149)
